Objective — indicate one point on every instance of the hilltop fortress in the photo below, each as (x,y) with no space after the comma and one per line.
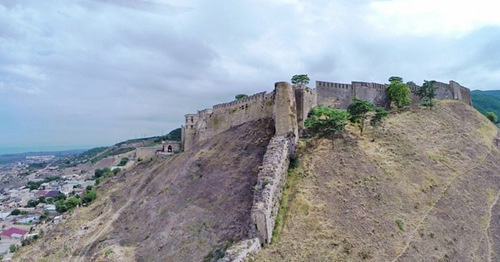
(209,122)
(288,106)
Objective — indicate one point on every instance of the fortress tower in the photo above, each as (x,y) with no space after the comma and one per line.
(189,130)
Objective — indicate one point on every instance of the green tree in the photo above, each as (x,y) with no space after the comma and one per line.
(61,206)
(240,96)
(492,116)
(300,79)
(98,173)
(398,92)
(12,248)
(32,203)
(90,196)
(326,121)
(123,161)
(427,92)
(44,215)
(73,202)
(358,111)
(380,114)
(15,212)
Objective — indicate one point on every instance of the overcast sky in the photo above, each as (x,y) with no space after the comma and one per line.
(95,72)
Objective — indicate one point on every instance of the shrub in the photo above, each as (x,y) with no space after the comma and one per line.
(89,196)
(400,224)
(265,183)
(13,248)
(123,161)
(358,111)
(492,116)
(326,121)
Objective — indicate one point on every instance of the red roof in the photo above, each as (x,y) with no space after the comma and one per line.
(9,232)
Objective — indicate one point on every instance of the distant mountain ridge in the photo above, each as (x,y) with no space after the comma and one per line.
(485,101)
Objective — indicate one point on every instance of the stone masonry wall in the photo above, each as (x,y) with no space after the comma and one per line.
(269,189)
(221,117)
(371,92)
(341,95)
(466,96)
(334,94)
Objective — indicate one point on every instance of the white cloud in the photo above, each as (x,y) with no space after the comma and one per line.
(98,72)
(434,17)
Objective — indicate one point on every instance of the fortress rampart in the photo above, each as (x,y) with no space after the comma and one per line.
(288,106)
(221,117)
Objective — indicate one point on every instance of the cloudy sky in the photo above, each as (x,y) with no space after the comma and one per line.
(95,72)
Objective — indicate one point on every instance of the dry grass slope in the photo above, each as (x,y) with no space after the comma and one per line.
(423,187)
(167,209)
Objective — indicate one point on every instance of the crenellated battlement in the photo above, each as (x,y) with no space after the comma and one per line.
(255,97)
(375,86)
(333,85)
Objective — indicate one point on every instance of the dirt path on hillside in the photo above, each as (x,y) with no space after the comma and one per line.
(443,193)
(105,228)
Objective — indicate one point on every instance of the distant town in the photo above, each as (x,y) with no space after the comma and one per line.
(37,190)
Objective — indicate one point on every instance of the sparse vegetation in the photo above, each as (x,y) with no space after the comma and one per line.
(123,161)
(326,121)
(240,96)
(218,252)
(32,185)
(380,114)
(398,92)
(265,183)
(427,92)
(400,224)
(358,111)
(13,248)
(365,254)
(300,79)
(492,116)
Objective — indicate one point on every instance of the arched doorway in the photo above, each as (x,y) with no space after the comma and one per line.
(169,149)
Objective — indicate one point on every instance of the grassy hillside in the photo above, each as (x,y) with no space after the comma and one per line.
(181,208)
(485,101)
(423,187)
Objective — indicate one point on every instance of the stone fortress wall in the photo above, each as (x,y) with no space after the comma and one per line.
(340,95)
(288,106)
(210,122)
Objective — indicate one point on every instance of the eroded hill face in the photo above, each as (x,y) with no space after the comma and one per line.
(168,209)
(426,189)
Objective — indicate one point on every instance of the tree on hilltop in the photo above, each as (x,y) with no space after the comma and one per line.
(358,111)
(398,92)
(240,96)
(427,92)
(300,80)
(491,116)
(326,121)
